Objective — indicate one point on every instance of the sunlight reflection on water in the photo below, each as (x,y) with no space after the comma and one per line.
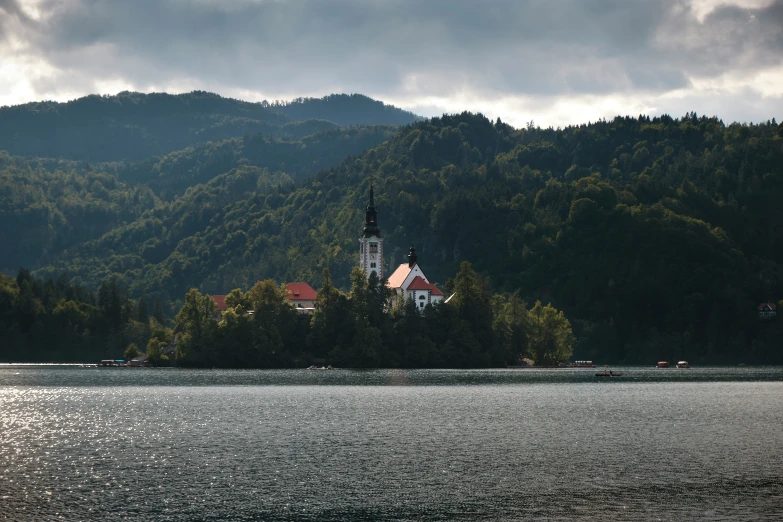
(398,445)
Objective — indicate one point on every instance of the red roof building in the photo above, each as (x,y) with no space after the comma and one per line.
(220,301)
(302,296)
(409,282)
(420,284)
(300,292)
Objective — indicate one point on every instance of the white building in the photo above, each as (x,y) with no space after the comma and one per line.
(409,282)
(371,243)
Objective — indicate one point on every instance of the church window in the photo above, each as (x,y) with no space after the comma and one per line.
(373,248)
(372,265)
(421,297)
(421,305)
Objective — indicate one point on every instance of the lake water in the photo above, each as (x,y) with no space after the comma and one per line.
(168,444)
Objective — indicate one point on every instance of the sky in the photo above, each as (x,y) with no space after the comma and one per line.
(553,62)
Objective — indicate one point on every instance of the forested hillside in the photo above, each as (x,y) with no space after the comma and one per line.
(656,236)
(48,206)
(133,126)
(345,109)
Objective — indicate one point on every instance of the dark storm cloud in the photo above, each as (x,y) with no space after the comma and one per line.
(392,47)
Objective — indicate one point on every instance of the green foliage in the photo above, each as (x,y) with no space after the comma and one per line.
(345,109)
(131,352)
(262,329)
(155,353)
(657,237)
(56,321)
(136,126)
(550,339)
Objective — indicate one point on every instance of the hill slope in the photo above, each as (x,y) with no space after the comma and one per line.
(345,109)
(49,206)
(134,126)
(656,236)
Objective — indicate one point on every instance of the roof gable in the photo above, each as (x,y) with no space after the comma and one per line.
(300,292)
(399,276)
(420,284)
(220,301)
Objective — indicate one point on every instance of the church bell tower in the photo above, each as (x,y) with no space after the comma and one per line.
(371,243)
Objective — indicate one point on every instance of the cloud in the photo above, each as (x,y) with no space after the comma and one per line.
(543,59)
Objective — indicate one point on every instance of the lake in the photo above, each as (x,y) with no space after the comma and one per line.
(169,444)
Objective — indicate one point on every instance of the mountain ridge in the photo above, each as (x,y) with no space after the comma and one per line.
(136,126)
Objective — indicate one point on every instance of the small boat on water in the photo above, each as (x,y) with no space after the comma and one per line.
(663,364)
(683,364)
(608,373)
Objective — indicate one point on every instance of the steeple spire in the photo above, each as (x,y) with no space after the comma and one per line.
(412,257)
(371,218)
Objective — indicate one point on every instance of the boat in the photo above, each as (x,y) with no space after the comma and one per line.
(663,364)
(582,364)
(683,364)
(607,373)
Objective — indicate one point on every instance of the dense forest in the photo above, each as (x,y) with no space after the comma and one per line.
(54,320)
(49,206)
(133,126)
(656,237)
(345,109)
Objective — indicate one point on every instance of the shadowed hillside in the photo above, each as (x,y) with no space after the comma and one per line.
(135,126)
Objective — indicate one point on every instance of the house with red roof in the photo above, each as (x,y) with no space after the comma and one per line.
(767,310)
(220,301)
(409,282)
(302,297)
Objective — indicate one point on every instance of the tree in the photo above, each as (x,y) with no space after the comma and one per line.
(550,337)
(131,352)
(330,319)
(142,310)
(155,352)
(196,318)
(157,312)
(238,298)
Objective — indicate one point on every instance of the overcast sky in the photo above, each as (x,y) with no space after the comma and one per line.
(552,61)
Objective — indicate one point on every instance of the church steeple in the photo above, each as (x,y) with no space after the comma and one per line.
(371,243)
(371,218)
(412,257)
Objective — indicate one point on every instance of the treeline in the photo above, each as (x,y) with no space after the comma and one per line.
(476,329)
(344,109)
(133,126)
(55,321)
(657,237)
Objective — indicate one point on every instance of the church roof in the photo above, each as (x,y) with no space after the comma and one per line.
(398,277)
(300,292)
(420,284)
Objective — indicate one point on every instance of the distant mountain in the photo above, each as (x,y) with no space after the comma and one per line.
(132,126)
(346,109)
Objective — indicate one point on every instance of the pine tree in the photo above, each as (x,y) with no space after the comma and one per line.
(142,310)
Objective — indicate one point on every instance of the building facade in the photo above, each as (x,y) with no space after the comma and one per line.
(371,243)
(409,282)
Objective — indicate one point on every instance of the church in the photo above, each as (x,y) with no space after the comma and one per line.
(408,280)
